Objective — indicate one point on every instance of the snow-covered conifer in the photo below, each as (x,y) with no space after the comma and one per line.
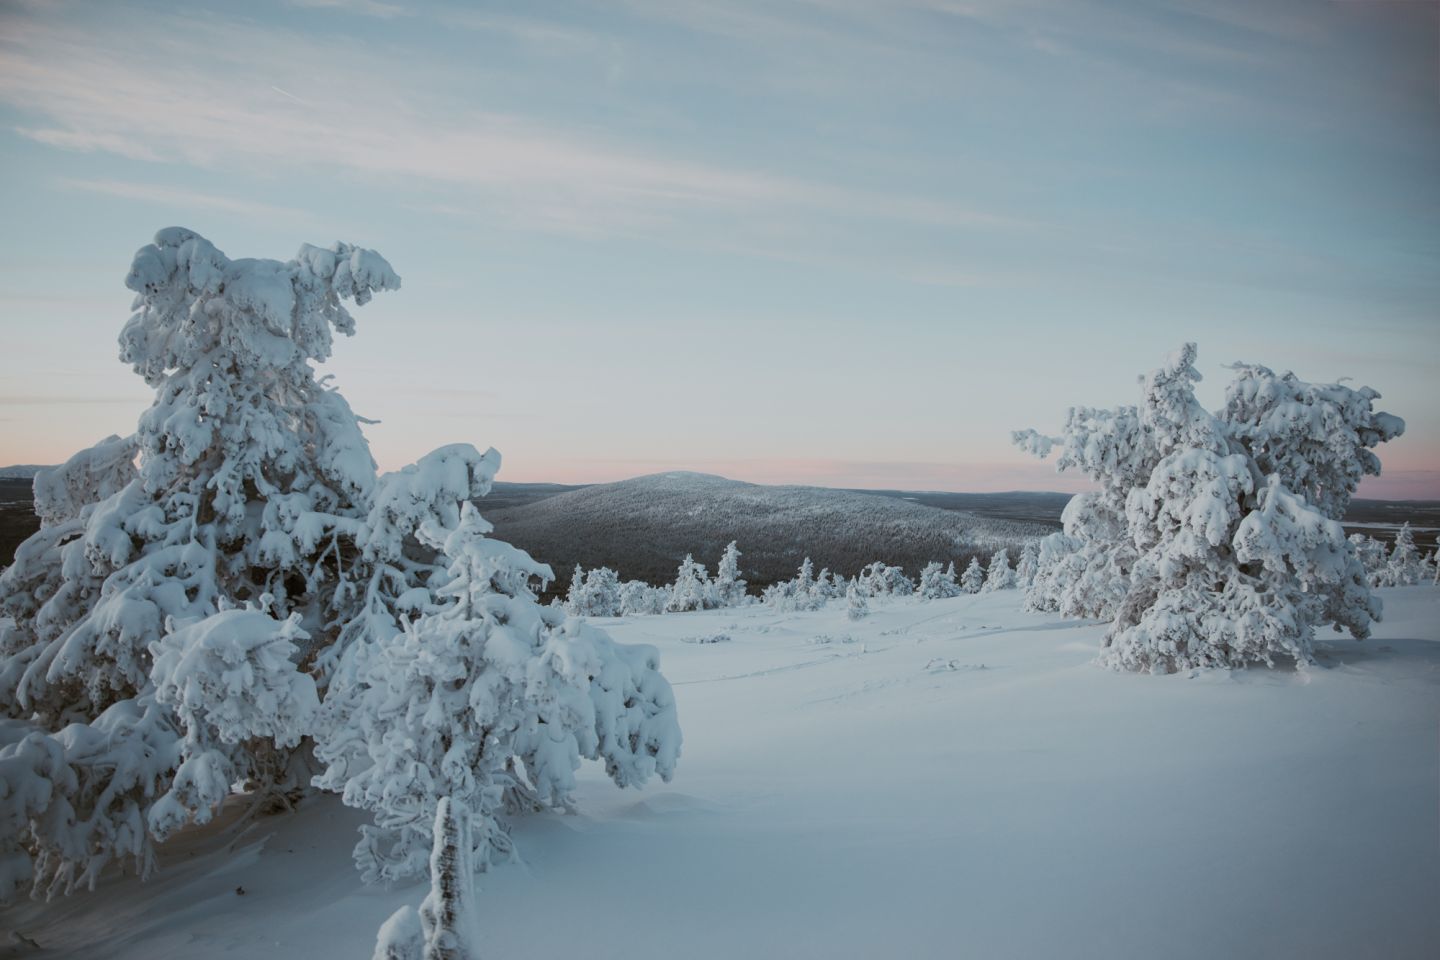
(999,575)
(253,480)
(1373,558)
(973,579)
(937,582)
(856,606)
(490,700)
(803,592)
(597,595)
(879,579)
(1203,544)
(638,598)
(1403,568)
(572,595)
(1029,564)
(729,586)
(691,590)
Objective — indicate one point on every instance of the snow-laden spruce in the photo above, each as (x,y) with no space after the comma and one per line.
(972,580)
(856,606)
(1214,540)
(729,585)
(1029,564)
(252,486)
(202,597)
(1404,567)
(692,589)
(999,575)
(804,592)
(491,700)
(879,579)
(593,594)
(937,582)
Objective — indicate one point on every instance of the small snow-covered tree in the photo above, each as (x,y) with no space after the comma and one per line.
(803,592)
(973,579)
(576,588)
(1403,568)
(829,585)
(856,605)
(638,598)
(1204,544)
(692,589)
(729,586)
(937,582)
(1029,564)
(999,576)
(490,700)
(1373,558)
(879,579)
(598,594)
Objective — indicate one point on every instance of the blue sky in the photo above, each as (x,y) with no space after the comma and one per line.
(850,242)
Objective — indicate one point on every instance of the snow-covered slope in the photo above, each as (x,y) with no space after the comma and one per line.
(644,527)
(942,779)
(22,471)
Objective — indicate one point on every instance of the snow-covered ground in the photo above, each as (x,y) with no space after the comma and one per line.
(942,779)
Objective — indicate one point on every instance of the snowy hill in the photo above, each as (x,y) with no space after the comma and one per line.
(644,527)
(22,471)
(942,779)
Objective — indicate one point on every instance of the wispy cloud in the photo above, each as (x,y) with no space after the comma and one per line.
(165,195)
(364,8)
(96,87)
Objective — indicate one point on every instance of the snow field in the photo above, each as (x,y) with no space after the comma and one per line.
(940,779)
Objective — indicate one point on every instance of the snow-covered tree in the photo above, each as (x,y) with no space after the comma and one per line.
(253,482)
(937,582)
(576,588)
(803,592)
(973,579)
(1373,558)
(1202,528)
(598,593)
(729,586)
(691,590)
(999,575)
(1029,564)
(197,589)
(1404,567)
(829,585)
(490,700)
(638,598)
(879,579)
(856,605)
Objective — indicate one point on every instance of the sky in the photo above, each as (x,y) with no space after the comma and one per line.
(844,242)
